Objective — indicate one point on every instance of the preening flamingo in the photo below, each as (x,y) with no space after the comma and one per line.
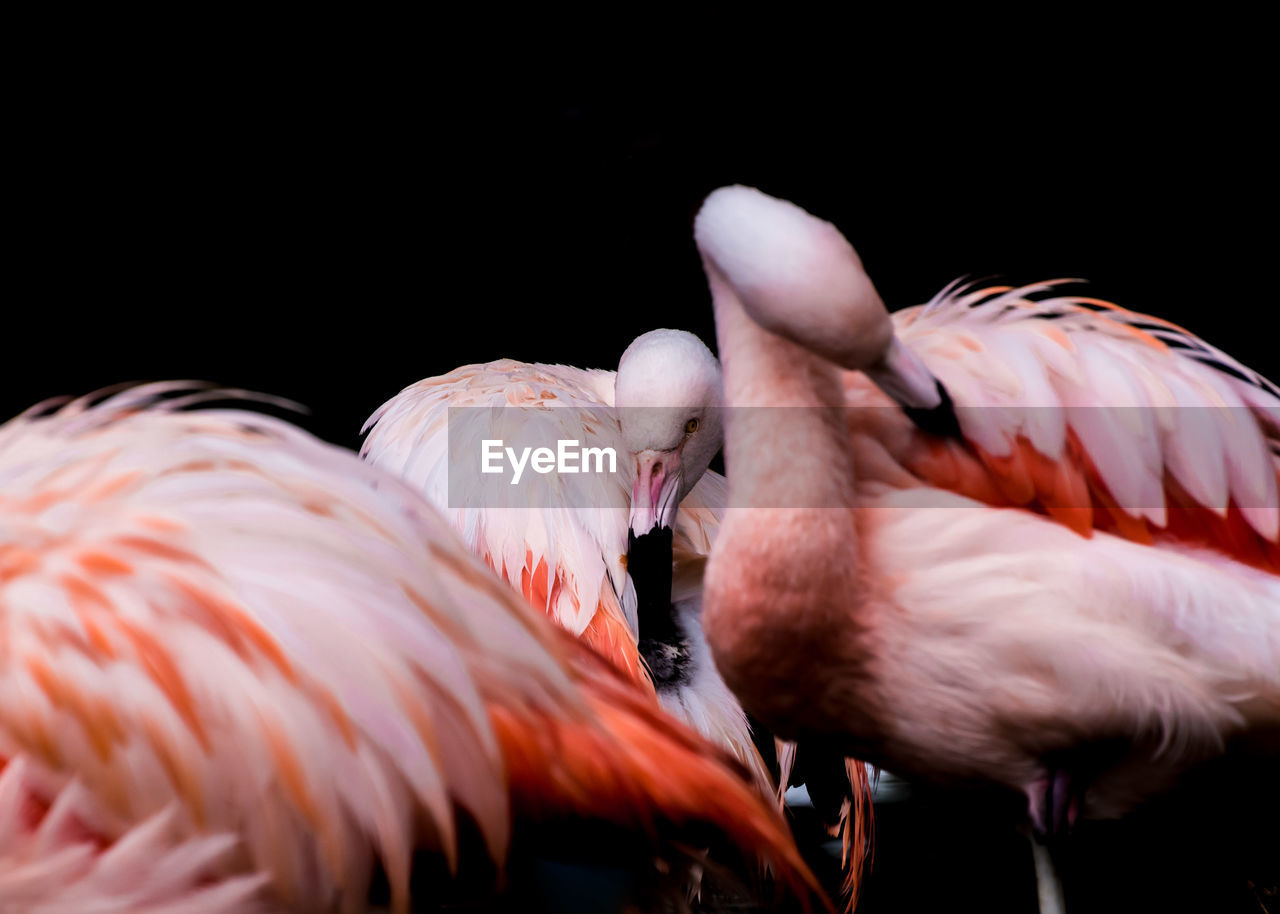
(565,545)
(241,669)
(1023,538)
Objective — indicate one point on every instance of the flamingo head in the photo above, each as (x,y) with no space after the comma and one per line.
(668,394)
(796,276)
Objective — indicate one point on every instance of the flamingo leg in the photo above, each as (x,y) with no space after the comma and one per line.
(1053,803)
(1048,885)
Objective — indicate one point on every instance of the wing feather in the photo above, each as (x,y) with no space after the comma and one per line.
(561,544)
(1100,417)
(574,539)
(285,654)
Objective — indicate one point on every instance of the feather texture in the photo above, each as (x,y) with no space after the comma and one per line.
(1062,581)
(565,552)
(238,665)
(1101,417)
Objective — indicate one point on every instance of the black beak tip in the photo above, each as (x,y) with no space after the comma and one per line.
(656,535)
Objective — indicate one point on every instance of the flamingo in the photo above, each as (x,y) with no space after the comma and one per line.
(573,564)
(577,547)
(241,669)
(1010,536)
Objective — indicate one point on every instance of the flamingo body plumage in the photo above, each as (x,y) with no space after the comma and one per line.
(240,669)
(1081,576)
(564,547)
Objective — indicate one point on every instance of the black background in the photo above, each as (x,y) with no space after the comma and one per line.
(332,225)
(333,228)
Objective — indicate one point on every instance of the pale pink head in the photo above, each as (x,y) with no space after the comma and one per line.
(798,277)
(668,393)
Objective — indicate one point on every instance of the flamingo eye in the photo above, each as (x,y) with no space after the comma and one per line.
(691,426)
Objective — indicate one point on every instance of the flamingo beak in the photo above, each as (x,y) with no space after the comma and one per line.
(653,495)
(902,375)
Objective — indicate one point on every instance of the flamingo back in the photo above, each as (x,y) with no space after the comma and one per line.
(1100,417)
(563,548)
(235,649)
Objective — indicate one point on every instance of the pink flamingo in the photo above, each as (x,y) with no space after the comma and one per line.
(240,669)
(562,540)
(565,543)
(1022,538)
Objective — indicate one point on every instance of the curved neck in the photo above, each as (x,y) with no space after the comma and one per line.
(784,586)
(786,440)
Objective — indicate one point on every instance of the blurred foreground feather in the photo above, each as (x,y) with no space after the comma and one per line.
(240,669)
